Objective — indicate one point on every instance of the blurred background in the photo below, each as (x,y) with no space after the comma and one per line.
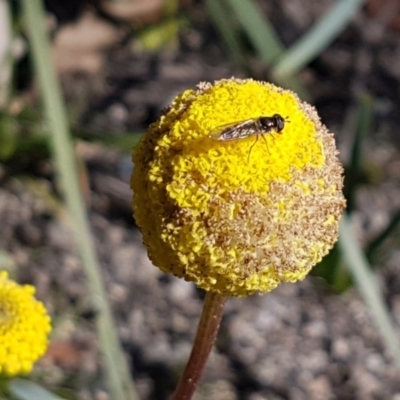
(119,62)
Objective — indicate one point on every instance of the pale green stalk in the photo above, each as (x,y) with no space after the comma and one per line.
(121,385)
(369,288)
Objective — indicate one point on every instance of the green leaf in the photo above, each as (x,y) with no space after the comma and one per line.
(7,136)
(27,390)
(332,269)
(161,34)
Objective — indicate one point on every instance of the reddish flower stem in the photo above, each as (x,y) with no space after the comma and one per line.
(205,338)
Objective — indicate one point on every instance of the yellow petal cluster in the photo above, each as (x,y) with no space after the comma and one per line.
(24,327)
(239,216)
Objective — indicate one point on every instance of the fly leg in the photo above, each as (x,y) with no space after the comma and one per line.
(251,148)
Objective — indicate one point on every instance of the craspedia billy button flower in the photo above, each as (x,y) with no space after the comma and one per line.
(24,327)
(237,216)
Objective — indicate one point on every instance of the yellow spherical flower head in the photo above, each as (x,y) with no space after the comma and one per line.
(24,327)
(237,216)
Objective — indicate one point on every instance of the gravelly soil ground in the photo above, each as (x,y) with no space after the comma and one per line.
(298,342)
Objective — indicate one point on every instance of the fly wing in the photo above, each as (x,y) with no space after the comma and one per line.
(235,130)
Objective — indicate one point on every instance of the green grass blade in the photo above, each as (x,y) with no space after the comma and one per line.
(364,121)
(222,22)
(259,31)
(265,41)
(317,38)
(121,385)
(375,243)
(366,282)
(6,57)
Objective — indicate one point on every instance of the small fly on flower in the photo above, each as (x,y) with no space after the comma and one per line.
(249,127)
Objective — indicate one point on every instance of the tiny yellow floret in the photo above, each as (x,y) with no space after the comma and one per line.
(239,216)
(24,327)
